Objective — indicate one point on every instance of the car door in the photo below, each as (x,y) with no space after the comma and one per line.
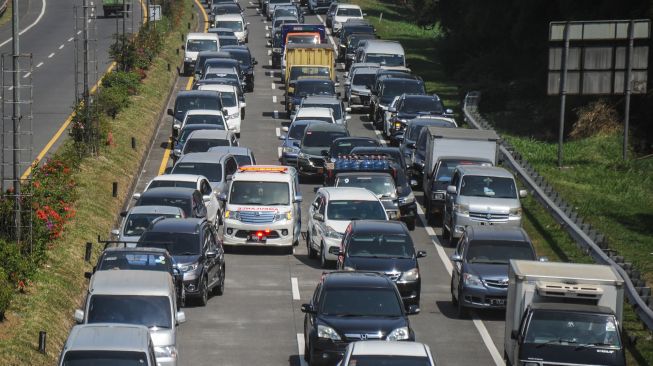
(297,207)
(199,209)
(214,269)
(209,263)
(420,152)
(212,205)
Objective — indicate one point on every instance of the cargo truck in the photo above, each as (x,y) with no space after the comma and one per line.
(563,314)
(115,7)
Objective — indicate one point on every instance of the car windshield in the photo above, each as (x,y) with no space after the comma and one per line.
(303,89)
(385,59)
(206,119)
(568,328)
(228,41)
(296,72)
(445,170)
(137,223)
(134,260)
(397,87)
(226,9)
(336,108)
(242,160)
(150,311)
(219,75)
(183,104)
(345,147)
(368,360)
(485,186)
(360,301)
(174,243)
(199,45)
(278,1)
(242,57)
(348,210)
(423,105)
(383,186)
(187,130)
(212,171)
(323,119)
(381,246)
(498,252)
(349,12)
(234,25)
(228,99)
(104,358)
(285,12)
(183,203)
(321,138)
(171,183)
(202,145)
(296,131)
(302,39)
(259,193)
(366,80)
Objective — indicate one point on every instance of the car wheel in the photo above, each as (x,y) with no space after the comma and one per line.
(323,261)
(461,311)
(219,289)
(203,299)
(454,301)
(446,234)
(506,359)
(411,224)
(312,253)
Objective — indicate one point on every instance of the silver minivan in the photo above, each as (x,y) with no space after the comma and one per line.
(480,195)
(384,53)
(110,344)
(136,297)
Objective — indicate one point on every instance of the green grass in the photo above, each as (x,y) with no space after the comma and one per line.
(615,197)
(6,16)
(58,285)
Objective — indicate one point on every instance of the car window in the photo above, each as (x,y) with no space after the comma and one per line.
(231,166)
(206,187)
(421,144)
(321,205)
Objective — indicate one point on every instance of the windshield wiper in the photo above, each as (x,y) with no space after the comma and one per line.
(187,253)
(557,340)
(276,204)
(597,344)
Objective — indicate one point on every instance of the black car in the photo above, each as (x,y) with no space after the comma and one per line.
(384,247)
(198,252)
(407,204)
(192,99)
(247,62)
(353,306)
(226,8)
(188,199)
(206,55)
(386,92)
(313,147)
(149,259)
(305,87)
(410,106)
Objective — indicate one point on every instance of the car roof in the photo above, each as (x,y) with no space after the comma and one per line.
(174,225)
(503,233)
(223,88)
(391,80)
(385,348)
(197,35)
(265,176)
(229,17)
(233,150)
(155,210)
(196,112)
(221,70)
(314,111)
(484,170)
(363,173)
(321,99)
(193,127)
(371,70)
(356,279)
(348,193)
(213,54)
(131,282)
(325,127)
(170,192)
(213,134)
(108,337)
(312,79)
(379,226)
(136,249)
(349,6)
(197,93)
(378,45)
(572,307)
(220,29)
(203,157)
(432,121)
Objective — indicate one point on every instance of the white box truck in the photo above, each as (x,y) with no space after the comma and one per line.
(563,314)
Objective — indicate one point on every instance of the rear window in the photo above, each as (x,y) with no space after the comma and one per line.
(201,145)
(212,171)
(321,138)
(104,358)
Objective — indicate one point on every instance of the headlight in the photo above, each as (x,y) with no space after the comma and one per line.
(301,155)
(165,352)
(290,149)
(399,334)
(408,199)
(472,280)
(324,331)
(438,196)
(188,267)
(283,216)
(188,59)
(276,50)
(516,211)
(332,234)
(350,269)
(234,215)
(461,208)
(411,275)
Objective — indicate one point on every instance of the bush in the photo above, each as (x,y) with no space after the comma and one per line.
(6,293)
(112,100)
(128,80)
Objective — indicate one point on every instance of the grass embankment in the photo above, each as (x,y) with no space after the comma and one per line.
(614,197)
(6,16)
(58,286)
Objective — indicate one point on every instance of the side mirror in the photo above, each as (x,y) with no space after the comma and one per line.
(412,310)
(135,196)
(243,105)
(448,111)
(456,258)
(335,251)
(338,94)
(523,193)
(413,183)
(115,232)
(337,84)
(282,137)
(514,334)
(421,253)
(170,112)
(451,190)
(284,128)
(298,198)
(183,47)
(123,214)
(225,111)
(222,197)
(88,275)
(411,145)
(79,316)
(347,83)
(206,198)
(229,177)
(180,317)
(176,152)
(318,217)
(392,109)
(543,259)
(308,308)
(211,254)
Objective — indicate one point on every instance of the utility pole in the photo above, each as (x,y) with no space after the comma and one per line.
(16,118)
(85,93)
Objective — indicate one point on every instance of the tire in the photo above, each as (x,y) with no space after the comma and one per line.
(461,311)
(219,289)
(454,301)
(446,234)
(203,299)
(312,253)
(307,352)
(506,359)
(411,224)
(324,263)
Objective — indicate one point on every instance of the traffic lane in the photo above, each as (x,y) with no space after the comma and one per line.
(30,12)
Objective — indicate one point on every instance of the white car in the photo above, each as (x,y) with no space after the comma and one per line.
(370,352)
(314,114)
(330,214)
(139,218)
(236,23)
(202,116)
(196,43)
(387,116)
(230,101)
(199,182)
(343,13)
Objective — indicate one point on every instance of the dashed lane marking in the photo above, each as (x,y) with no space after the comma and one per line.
(62,46)
(274,99)
(295,286)
(27,75)
(39,64)
(71,39)
(50,55)
(300,349)
(274,86)
(277,131)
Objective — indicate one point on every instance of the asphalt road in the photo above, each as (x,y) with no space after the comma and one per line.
(48,33)
(258,319)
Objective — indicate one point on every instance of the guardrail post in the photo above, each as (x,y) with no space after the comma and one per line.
(42,339)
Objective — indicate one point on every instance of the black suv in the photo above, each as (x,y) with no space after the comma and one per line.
(384,247)
(353,306)
(388,89)
(196,249)
(247,62)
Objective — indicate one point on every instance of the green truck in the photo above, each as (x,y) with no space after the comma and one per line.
(115,7)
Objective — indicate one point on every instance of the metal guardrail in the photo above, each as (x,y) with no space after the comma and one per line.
(563,214)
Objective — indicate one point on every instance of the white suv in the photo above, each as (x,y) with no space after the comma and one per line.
(235,109)
(330,214)
(343,13)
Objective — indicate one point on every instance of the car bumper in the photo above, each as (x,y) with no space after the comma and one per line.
(327,352)
(483,298)
(408,211)
(235,233)
(192,283)
(166,361)
(309,168)
(359,101)
(328,244)
(460,222)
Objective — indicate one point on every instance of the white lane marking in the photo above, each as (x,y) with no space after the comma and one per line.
(294,284)
(274,99)
(39,64)
(333,43)
(38,19)
(270,62)
(71,39)
(277,131)
(485,335)
(279,152)
(92,3)
(27,75)
(270,53)
(276,114)
(300,349)
(79,32)
(50,55)
(11,88)
(274,86)
(62,46)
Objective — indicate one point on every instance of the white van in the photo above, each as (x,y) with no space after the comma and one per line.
(236,23)
(262,207)
(231,102)
(196,43)
(384,53)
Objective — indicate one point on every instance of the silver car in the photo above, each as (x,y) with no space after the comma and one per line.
(340,112)
(139,218)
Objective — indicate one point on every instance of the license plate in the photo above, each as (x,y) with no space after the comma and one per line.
(253,238)
(320,170)
(330,166)
(497,301)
